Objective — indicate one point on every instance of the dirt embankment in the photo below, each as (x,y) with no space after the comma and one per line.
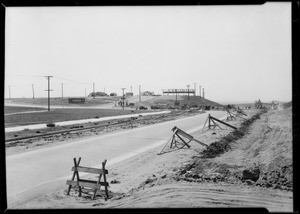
(263,157)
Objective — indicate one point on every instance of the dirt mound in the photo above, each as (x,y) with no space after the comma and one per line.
(287,105)
(262,157)
(184,100)
(223,144)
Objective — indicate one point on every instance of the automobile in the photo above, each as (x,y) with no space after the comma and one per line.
(143,108)
(154,107)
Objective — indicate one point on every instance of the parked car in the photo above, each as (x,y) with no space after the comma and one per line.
(143,108)
(154,107)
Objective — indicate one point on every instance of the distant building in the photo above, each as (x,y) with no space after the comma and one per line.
(148,93)
(129,94)
(98,94)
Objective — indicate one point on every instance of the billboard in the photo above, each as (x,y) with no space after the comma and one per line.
(77,100)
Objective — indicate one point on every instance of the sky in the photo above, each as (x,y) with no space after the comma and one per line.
(236,53)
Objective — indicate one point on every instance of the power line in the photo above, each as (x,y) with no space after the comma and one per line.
(61,78)
(24,75)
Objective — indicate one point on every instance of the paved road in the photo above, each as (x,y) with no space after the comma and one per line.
(32,173)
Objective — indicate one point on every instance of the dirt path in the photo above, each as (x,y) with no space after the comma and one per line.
(182,179)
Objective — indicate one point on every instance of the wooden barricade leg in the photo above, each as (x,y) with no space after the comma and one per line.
(215,124)
(104,177)
(185,143)
(205,123)
(172,140)
(74,173)
(77,175)
(99,179)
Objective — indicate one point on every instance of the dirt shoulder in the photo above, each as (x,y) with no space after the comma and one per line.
(183,178)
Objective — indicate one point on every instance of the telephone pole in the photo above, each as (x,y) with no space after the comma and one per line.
(140,93)
(94,90)
(194,89)
(200,90)
(62,90)
(9,92)
(123,98)
(32,91)
(188,92)
(48,78)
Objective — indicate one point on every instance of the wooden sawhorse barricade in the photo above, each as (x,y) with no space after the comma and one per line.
(86,186)
(212,123)
(232,115)
(182,143)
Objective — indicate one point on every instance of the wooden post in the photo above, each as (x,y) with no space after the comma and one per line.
(104,177)
(74,173)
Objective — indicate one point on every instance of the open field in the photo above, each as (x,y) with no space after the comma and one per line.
(63,101)
(252,170)
(58,115)
(20,109)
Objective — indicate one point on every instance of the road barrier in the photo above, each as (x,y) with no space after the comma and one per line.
(86,186)
(179,135)
(212,123)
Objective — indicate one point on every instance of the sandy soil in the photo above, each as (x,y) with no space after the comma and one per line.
(185,178)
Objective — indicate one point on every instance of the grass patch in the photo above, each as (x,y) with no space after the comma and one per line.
(59,115)
(16,109)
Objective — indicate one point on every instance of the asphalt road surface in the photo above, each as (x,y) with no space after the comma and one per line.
(38,172)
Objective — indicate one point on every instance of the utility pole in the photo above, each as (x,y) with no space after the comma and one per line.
(188,92)
(84,92)
(9,91)
(62,90)
(94,90)
(140,93)
(194,89)
(32,91)
(123,98)
(131,89)
(200,90)
(203,92)
(48,77)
